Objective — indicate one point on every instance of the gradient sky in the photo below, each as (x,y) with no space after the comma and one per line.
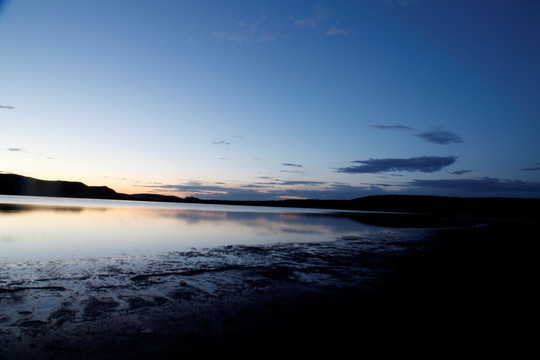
(274,99)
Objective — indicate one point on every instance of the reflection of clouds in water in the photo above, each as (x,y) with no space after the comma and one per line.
(74,232)
(7,239)
(274,222)
(17,208)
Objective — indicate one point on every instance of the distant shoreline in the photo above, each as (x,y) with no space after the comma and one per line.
(526,209)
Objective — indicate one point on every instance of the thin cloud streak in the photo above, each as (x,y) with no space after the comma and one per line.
(532,168)
(441,137)
(436,135)
(460,172)
(426,164)
(393,127)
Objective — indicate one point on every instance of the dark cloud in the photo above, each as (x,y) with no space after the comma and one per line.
(15,149)
(291,165)
(392,127)
(460,172)
(533,168)
(438,136)
(483,186)
(425,164)
(7,107)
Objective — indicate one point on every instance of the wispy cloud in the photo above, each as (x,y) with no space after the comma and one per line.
(440,136)
(244,32)
(300,182)
(426,164)
(221,142)
(393,127)
(436,135)
(536,167)
(15,149)
(315,20)
(7,107)
(336,31)
(292,165)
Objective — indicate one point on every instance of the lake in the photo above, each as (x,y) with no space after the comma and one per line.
(46,229)
(77,275)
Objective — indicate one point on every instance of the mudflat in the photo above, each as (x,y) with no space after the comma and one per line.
(416,291)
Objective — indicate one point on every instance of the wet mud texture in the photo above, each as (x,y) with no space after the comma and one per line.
(450,292)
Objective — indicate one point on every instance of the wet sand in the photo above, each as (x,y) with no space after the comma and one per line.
(446,292)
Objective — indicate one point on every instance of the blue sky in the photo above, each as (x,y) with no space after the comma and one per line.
(274,99)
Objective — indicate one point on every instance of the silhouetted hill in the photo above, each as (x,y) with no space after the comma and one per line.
(11,184)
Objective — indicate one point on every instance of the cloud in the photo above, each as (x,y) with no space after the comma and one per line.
(334,30)
(247,33)
(221,142)
(291,165)
(316,20)
(268,191)
(393,127)
(15,149)
(533,168)
(230,35)
(460,172)
(436,135)
(7,107)
(484,186)
(426,164)
(298,182)
(439,136)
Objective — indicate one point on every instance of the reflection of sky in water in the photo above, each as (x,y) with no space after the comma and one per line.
(48,229)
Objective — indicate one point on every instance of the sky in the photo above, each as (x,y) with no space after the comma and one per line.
(256,100)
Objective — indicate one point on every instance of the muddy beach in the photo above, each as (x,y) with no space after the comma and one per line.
(410,291)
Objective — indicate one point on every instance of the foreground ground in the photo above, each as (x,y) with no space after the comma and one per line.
(450,292)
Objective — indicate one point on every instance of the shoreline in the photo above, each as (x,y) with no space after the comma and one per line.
(460,289)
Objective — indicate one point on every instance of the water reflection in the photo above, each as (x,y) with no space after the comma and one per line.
(82,229)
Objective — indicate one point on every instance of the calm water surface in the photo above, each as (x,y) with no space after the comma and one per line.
(44,229)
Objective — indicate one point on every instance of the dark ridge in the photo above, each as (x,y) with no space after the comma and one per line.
(11,184)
